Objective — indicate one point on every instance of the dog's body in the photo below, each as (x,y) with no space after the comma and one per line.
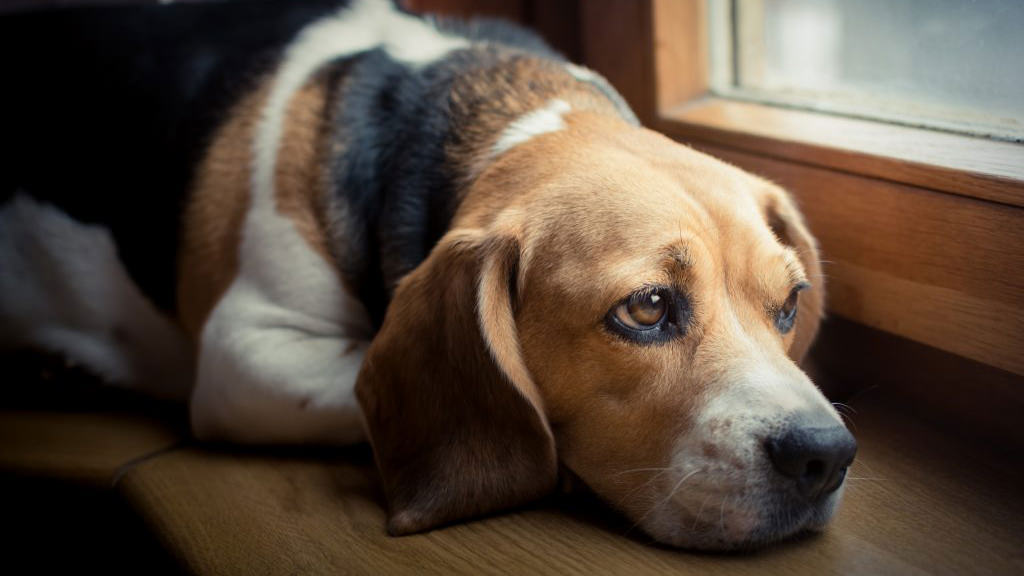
(325,196)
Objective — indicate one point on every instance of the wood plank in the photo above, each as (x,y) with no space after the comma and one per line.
(681,57)
(559,24)
(919,502)
(89,447)
(977,401)
(939,269)
(964,165)
(618,43)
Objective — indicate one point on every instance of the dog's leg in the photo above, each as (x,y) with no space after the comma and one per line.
(63,289)
(272,375)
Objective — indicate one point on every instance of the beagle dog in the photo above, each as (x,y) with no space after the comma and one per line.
(330,224)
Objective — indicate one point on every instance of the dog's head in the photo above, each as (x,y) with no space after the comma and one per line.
(631,308)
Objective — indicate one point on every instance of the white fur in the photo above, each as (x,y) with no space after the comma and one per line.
(364,25)
(720,494)
(588,76)
(63,289)
(532,124)
(280,352)
(582,74)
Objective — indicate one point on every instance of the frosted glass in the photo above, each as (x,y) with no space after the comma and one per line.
(957,64)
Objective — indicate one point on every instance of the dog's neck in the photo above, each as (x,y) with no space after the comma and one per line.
(408,143)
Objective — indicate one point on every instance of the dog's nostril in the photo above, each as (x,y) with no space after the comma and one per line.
(815,459)
(815,468)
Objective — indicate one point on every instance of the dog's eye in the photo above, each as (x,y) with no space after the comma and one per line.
(642,311)
(649,316)
(787,312)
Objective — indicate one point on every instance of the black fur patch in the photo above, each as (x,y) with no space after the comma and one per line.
(104,112)
(395,185)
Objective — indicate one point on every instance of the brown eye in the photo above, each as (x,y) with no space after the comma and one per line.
(651,315)
(787,312)
(643,311)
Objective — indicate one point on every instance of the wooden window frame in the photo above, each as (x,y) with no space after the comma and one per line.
(922,230)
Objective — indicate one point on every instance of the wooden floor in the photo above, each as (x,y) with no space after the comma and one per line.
(919,500)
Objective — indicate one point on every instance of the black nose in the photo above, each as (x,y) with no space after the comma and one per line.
(814,456)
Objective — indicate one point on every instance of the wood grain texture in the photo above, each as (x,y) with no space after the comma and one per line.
(964,165)
(681,59)
(983,403)
(559,23)
(918,502)
(618,43)
(944,270)
(88,447)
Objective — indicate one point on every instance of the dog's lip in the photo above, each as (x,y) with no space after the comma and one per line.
(764,533)
(788,519)
(777,515)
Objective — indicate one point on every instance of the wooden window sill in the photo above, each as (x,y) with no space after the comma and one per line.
(920,230)
(959,164)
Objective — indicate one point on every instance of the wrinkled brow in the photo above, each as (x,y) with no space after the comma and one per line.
(678,255)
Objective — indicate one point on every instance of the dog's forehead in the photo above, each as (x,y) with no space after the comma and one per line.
(629,210)
(616,176)
(637,193)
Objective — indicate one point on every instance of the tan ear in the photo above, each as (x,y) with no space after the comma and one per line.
(788,225)
(457,426)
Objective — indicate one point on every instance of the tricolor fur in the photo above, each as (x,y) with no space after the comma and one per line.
(371,225)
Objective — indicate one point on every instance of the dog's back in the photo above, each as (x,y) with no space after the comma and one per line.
(106,109)
(108,115)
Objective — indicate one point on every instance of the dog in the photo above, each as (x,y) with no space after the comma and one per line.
(327,224)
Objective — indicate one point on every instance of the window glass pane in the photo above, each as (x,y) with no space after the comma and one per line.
(955,64)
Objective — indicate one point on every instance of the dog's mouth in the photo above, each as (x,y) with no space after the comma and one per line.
(735,494)
(738,520)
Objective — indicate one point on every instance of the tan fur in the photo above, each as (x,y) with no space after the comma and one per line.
(495,96)
(300,177)
(457,425)
(595,212)
(218,201)
(220,197)
(494,350)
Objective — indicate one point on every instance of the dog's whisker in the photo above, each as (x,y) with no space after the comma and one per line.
(700,511)
(721,514)
(679,484)
(629,495)
(840,405)
(663,501)
(858,464)
(848,419)
(638,470)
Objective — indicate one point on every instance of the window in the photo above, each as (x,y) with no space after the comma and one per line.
(838,101)
(946,64)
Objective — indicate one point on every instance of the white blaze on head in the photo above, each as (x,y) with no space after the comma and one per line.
(540,121)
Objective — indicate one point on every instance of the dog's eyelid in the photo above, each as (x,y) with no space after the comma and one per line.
(645,291)
(671,324)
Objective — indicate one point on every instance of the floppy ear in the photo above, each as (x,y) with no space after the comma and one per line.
(456,423)
(788,225)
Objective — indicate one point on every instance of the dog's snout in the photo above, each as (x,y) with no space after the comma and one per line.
(815,457)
